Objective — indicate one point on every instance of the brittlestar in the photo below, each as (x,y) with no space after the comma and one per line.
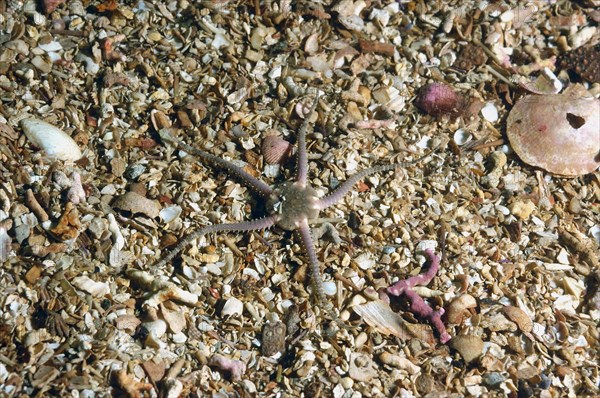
(290,205)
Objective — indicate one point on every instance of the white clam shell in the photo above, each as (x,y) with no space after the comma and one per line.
(51,46)
(56,143)
(329,288)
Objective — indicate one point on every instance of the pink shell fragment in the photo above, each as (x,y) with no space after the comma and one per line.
(559,133)
(275,149)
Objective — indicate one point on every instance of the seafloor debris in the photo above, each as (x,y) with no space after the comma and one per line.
(161,290)
(135,203)
(132,387)
(469,347)
(76,193)
(521,274)
(273,338)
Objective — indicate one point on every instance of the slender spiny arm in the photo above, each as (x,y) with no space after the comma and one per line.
(252,182)
(315,271)
(337,195)
(252,225)
(302,162)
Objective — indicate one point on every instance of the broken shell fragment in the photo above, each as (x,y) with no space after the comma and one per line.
(96,289)
(519,317)
(56,143)
(170,213)
(361,367)
(490,112)
(234,367)
(135,203)
(559,133)
(437,99)
(380,316)
(156,329)
(469,347)
(233,307)
(458,310)
(275,149)
(396,361)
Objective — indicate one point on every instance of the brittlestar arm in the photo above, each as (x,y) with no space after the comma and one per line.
(252,182)
(347,185)
(302,163)
(252,225)
(315,270)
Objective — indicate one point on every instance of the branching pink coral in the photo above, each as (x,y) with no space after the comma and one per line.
(417,305)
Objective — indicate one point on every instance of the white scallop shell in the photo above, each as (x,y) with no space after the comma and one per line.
(56,143)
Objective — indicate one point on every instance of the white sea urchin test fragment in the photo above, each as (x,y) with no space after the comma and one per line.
(55,142)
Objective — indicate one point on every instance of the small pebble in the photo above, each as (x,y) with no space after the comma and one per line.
(493,378)
(347,383)
(522,209)
(388,249)
(545,382)
(134,171)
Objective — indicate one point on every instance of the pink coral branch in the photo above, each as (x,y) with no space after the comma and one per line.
(417,305)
